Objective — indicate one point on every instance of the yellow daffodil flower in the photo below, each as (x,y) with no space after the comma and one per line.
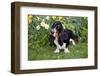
(60,17)
(54,17)
(30,17)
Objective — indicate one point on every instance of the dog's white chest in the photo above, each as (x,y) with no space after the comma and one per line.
(58,45)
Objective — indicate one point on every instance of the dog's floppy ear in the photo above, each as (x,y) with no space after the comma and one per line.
(59,26)
(60,40)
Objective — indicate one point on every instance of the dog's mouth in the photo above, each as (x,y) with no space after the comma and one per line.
(54,32)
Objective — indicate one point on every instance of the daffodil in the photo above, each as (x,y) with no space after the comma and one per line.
(46,26)
(54,17)
(47,17)
(30,21)
(60,17)
(43,23)
(30,17)
(38,27)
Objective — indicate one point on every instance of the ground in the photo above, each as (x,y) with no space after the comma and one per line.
(47,52)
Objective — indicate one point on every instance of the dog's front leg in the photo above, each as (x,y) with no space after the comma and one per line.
(58,46)
(57,50)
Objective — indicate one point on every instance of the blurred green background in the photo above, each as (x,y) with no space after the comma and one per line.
(39,30)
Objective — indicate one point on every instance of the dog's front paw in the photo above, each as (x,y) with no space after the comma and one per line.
(57,51)
(66,50)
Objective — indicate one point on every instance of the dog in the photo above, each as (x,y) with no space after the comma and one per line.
(61,37)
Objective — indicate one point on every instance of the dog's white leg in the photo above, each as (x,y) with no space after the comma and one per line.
(66,50)
(58,46)
(73,42)
(57,50)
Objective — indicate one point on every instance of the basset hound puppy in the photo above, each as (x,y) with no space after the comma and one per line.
(61,37)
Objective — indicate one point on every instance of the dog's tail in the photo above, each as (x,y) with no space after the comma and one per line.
(73,37)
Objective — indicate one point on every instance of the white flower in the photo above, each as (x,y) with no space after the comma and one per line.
(38,18)
(38,27)
(46,26)
(47,17)
(42,23)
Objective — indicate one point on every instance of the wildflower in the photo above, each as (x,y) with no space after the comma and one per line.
(54,17)
(46,26)
(43,23)
(60,17)
(30,17)
(38,27)
(47,17)
(30,21)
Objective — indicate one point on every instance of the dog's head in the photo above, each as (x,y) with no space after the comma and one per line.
(56,28)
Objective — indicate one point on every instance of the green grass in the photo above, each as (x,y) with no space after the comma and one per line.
(47,52)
